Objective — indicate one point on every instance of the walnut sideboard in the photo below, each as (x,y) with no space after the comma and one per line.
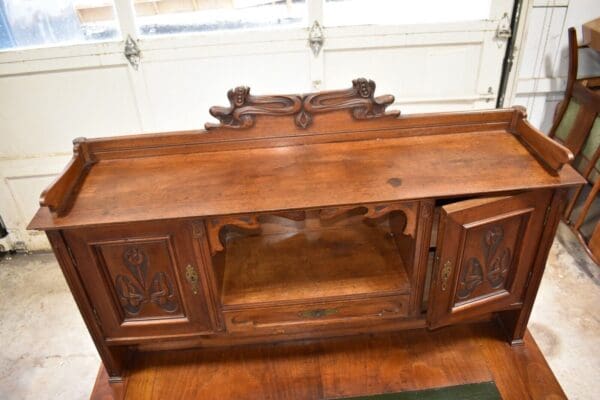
(305,216)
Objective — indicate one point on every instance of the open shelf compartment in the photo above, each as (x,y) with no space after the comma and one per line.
(324,254)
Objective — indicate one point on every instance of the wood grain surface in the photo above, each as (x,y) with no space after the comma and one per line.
(316,175)
(347,367)
(313,265)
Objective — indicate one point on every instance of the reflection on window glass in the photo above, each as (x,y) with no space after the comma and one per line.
(156,17)
(402,12)
(34,23)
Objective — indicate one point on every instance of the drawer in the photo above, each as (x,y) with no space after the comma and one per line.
(281,319)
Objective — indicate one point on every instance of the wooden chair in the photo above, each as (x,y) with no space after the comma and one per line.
(577,126)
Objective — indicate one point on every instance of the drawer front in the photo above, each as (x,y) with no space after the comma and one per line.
(282,319)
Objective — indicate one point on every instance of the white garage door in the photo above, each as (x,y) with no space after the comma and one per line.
(63,72)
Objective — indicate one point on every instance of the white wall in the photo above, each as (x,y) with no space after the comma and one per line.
(544,55)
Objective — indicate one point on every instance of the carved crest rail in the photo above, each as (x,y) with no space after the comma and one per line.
(359,99)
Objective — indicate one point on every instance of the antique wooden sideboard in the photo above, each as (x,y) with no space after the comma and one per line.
(306,216)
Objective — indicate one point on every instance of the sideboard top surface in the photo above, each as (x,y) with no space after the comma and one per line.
(303,176)
(299,151)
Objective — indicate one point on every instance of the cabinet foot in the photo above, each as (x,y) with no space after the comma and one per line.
(514,324)
(108,387)
(114,361)
(517,342)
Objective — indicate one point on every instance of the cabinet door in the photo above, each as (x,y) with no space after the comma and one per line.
(144,279)
(485,250)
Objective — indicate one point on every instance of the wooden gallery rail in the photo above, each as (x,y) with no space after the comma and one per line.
(306,216)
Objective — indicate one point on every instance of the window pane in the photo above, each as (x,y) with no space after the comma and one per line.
(34,23)
(157,17)
(402,12)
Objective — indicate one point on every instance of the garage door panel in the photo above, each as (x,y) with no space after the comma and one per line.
(55,107)
(178,89)
(399,69)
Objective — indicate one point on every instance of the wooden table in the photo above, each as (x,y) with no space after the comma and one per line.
(343,367)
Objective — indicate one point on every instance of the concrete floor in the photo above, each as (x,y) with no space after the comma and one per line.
(46,352)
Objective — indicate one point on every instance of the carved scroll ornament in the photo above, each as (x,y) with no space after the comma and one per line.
(250,222)
(244,222)
(133,294)
(496,268)
(244,107)
(215,225)
(372,211)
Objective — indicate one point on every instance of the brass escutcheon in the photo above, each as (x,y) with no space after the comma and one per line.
(446,271)
(192,277)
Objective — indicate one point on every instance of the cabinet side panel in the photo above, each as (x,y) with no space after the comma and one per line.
(113,358)
(515,321)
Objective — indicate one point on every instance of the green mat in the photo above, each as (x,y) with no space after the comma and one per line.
(472,391)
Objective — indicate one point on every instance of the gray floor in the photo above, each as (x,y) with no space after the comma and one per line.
(46,352)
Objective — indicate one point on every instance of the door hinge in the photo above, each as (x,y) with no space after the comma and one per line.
(528,281)
(132,52)
(547,214)
(96,317)
(434,269)
(316,38)
(71,256)
(445,274)
(503,32)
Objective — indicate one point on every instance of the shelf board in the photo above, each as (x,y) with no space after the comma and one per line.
(310,265)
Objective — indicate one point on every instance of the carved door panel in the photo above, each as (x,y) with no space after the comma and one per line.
(145,279)
(485,250)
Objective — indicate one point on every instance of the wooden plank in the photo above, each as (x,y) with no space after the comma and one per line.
(520,372)
(315,175)
(358,366)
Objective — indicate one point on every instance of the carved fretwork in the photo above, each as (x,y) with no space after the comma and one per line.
(377,211)
(293,215)
(133,294)
(214,226)
(327,214)
(496,267)
(244,107)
